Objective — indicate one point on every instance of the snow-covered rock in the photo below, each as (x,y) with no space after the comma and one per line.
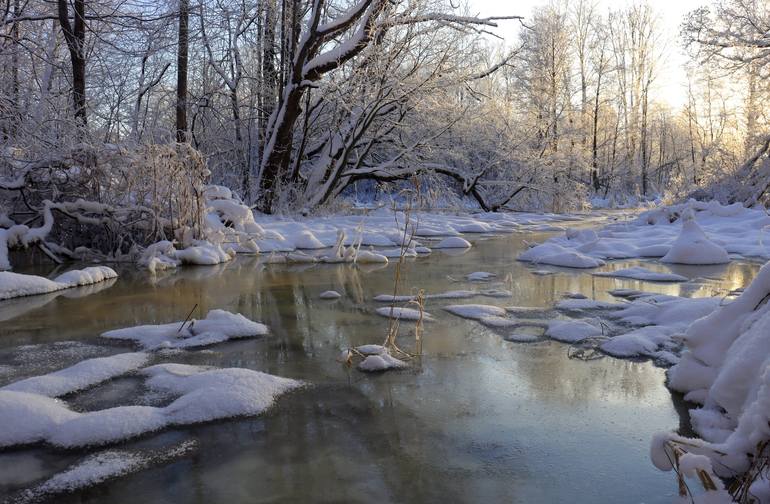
(218,326)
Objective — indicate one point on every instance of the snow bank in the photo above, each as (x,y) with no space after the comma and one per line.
(726,369)
(644,274)
(16,285)
(218,326)
(704,233)
(82,375)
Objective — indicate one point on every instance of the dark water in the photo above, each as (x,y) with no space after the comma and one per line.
(476,419)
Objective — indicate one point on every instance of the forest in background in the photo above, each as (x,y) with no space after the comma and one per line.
(114,113)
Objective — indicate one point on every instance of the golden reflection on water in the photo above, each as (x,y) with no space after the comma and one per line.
(476,419)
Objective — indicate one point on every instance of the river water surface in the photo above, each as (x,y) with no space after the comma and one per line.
(476,419)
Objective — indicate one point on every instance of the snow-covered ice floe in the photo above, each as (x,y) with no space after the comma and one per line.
(16,285)
(80,376)
(102,466)
(646,325)
(689,233)
(453,294)
(329,295)
(203,395)
(725,368)
(402,313)
(218,326)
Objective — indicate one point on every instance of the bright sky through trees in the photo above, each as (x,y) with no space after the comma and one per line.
(672,81)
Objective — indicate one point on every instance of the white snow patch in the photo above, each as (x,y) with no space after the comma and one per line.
(82,375)
(402,313)
(475,311)
(218,326)
(16,285)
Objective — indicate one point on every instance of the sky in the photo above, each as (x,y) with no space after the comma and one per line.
(672,79)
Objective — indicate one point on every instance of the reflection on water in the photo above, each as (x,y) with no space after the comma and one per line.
(478,419)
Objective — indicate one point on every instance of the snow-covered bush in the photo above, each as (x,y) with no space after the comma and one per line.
(101,200)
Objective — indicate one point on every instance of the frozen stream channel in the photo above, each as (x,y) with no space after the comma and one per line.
(478,419)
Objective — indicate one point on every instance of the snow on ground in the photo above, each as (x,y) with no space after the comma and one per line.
(691,233)
(16,285)
(82,375)
(402,313)
(726,369)
(640,273)
(203,395)
(218,326)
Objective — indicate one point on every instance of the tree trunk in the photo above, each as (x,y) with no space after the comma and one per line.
(75,36)
(181,75)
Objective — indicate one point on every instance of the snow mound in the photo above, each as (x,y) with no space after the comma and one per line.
(330,294)
(378,358)
(735,229)
(639,273)
(475,311)
(556,255)
(402,313)
(453,242)
(217,327)
(572,331)
(82,375)
(480,276)
(693,246)
(206,395)
(17,285)
(163,255)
